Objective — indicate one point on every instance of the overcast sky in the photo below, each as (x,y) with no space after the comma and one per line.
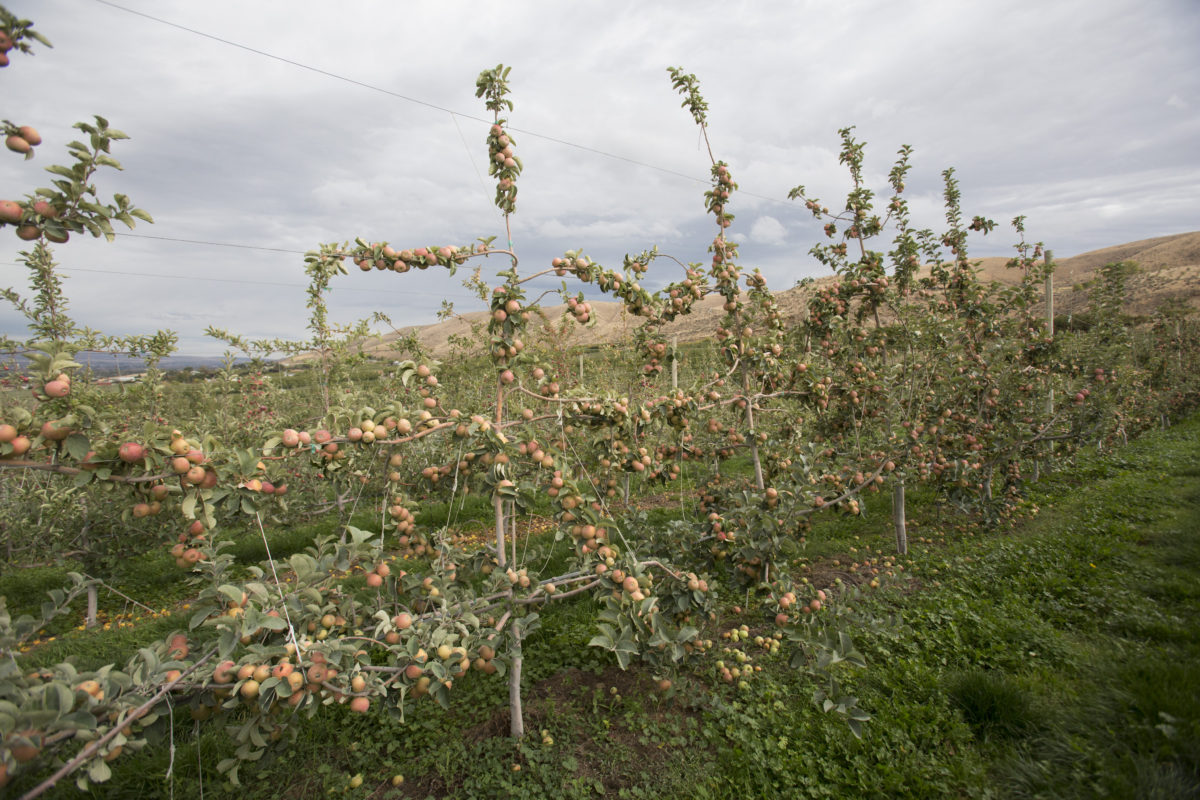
(1083,115)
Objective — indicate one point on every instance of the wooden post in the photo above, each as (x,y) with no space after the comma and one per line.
(1050,331)
(679,434)
(1050,320)
(898,517)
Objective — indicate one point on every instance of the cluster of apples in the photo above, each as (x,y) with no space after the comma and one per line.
(26,745)
(23,139)
(788,600)
(53,389)
(19,442)
(719,195)
(574,264)
(547,387)
(8,40)
(31,219)
(186,551)
(386,257)
(505,166)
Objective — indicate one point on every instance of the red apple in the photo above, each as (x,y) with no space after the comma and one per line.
(132,452)
(10,212)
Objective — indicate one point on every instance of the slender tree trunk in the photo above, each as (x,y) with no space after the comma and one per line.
(93,600)
(92,605)
(517,723)
(498,508)
(898,517)
(512,528)
(758,473)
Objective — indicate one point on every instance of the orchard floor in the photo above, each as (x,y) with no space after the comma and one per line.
(1057,656)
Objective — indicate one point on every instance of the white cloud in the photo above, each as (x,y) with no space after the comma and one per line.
(768,230)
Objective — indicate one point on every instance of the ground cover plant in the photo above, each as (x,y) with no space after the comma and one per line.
(501,526)
(1073,682)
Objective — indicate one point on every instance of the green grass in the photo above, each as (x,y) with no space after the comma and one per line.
(992,703)
(1056,657)
(140,605)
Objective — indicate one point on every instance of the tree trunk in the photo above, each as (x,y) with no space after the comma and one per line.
(92,605)
(758,472)
(498,508)
(93,590)
(517,724)
(898,517)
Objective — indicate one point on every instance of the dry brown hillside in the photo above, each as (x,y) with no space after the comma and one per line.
(1169,268)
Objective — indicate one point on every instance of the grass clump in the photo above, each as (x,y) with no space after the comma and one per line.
(992,703)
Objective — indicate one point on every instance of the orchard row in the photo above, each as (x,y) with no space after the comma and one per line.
(906,369)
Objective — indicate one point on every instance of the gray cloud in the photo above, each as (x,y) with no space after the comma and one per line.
(1080,115)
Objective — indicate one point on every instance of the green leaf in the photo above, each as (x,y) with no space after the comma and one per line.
(199,615)
(303,565)
(58,698)
(227,641)
(604,640)
(232,592)
(77,446)
(229,768)
(99,771)
(274,623)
